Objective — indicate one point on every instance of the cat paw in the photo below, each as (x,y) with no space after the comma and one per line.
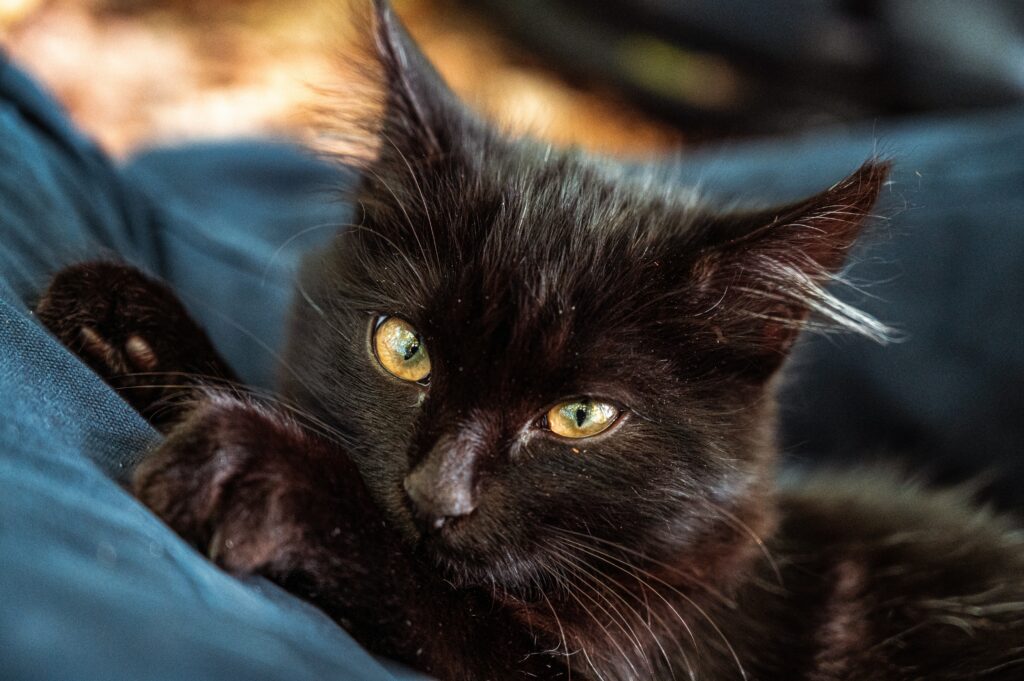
(226,480)
(134,332)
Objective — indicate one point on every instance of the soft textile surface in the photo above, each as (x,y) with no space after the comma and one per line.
(94,587)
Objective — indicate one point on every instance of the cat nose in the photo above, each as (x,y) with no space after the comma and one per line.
(441,488)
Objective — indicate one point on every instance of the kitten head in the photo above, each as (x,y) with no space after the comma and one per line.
(532,352)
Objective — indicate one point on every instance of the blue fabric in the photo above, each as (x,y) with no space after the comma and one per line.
(236,219)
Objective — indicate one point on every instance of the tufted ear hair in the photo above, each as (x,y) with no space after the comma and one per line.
(418,101)
(393,105)
(759,278)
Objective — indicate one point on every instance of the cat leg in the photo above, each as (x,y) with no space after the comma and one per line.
(132,330)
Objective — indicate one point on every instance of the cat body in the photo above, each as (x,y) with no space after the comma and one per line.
(525,430)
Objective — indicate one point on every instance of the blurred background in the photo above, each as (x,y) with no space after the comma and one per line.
(621,76)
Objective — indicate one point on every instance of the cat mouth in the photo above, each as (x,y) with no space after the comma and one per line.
(467,560)
(457,549)
(509,571)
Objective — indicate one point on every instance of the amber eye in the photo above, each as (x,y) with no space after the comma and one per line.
(400,350)
(581,418)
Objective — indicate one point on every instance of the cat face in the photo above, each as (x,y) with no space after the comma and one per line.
(523,346)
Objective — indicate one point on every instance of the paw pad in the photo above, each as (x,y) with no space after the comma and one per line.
(137,354)
(141,353)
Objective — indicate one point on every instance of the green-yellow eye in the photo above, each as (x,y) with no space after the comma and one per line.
(400,350)
(581,418)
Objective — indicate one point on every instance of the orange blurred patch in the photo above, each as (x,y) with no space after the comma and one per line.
(142,73)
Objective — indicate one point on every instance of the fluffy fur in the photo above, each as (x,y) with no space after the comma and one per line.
(663,548)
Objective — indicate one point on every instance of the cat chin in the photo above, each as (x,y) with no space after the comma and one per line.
(514,571)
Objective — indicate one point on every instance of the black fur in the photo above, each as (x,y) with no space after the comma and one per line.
(662,548)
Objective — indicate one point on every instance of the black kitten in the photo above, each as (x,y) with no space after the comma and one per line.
(535,432)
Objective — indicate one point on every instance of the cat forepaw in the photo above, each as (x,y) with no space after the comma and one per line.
(133,331)
(225,480)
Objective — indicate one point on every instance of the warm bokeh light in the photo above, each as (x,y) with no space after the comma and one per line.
(138,72)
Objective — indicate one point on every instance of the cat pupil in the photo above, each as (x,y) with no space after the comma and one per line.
(411,350)
(581,416)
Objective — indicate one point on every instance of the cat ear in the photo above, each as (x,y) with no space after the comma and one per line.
(394,105)
(418,101)
(760,278)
